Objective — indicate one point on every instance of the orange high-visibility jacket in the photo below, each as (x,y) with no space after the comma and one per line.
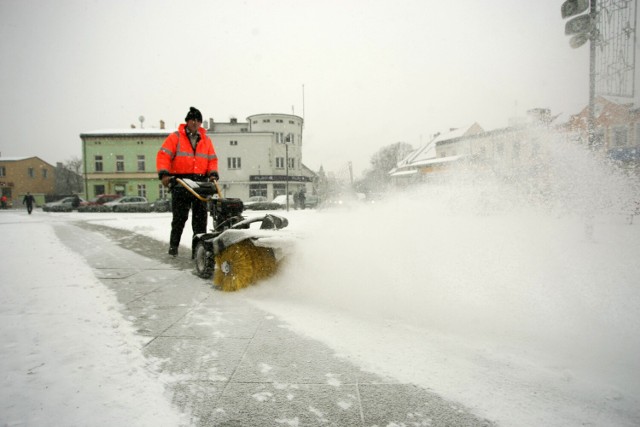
(177,157)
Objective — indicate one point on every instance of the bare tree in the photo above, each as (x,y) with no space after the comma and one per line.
(69,176)
(376,178)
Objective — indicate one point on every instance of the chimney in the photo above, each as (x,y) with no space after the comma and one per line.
(161,124)
(234,121)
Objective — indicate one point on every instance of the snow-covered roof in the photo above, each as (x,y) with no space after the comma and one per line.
(14,159)
(436,160)
(133,131)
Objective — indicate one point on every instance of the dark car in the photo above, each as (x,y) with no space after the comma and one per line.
(97,203)
(161,205)
(311,201)
(260,203)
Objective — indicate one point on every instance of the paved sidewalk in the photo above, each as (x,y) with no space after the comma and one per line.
(228,363)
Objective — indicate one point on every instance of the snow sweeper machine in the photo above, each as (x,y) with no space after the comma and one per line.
(237,251)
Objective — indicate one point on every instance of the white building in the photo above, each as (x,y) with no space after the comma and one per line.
(262,156)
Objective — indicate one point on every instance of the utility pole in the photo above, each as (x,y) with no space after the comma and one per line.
(593,38)
(286,162)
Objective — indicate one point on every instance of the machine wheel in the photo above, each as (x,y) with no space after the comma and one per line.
(203,260)
(242,264)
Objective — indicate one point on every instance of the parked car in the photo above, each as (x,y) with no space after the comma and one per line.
(97,203)
(63,205)
(129,204)
(161,205)
(281,201)
(259,203)
(311,201)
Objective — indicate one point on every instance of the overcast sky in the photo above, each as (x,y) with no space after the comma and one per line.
(374,72)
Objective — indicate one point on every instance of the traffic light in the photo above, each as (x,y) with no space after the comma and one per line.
(573,7)
(580,27)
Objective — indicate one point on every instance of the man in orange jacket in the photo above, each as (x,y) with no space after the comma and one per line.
(187,153)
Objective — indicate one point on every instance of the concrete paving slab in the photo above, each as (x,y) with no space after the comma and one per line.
(213,359)
(226,363)
(278,404)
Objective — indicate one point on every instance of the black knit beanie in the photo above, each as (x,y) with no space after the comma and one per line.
(193,114)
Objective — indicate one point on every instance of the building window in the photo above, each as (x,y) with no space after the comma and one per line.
(142,190)
(98,189)
(279,162)
(233,142)
(97,143)
(44,173)
(258,190)
(279,189)
(535,149)
(3,171)
(516,150)
(163,191)
(234,163)
(292,163)
(255,121)
(620,137)
(98,163)
(30,172)
(291,122)
(266,120)
(141,166)
(279,121)
(119,163)
(140,143)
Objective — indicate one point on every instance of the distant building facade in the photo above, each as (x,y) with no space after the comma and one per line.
(19,175)
(519,149)
(259,157)
(617,130)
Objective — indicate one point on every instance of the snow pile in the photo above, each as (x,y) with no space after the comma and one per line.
(68,358)
(516,297)
(494,292)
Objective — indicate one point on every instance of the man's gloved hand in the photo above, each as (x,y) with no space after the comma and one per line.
(165,180)
(213,176)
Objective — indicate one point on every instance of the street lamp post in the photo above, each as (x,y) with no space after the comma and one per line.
(286,168)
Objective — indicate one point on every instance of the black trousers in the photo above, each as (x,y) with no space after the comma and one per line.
(182,201)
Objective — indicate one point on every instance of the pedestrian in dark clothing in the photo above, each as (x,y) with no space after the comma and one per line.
(187,153)
(296,200)
(3,201)
(302,198)
(76,201)
(29,201)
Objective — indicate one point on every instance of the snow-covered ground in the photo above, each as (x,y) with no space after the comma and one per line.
(525,310)
(67,358)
